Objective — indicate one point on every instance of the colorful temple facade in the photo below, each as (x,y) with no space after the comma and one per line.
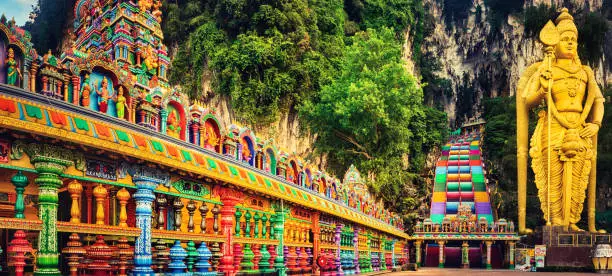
(461,230)
(106,168)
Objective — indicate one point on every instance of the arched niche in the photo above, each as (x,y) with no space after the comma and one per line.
(211,138)
(293,171)
(270,159)
(306,178)
(176,121)
(4,44)
(103,94)
(175,104)
(334,190)
(247,148)
(323,186)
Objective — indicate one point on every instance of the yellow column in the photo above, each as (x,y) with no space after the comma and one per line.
(100,193)
(75,189)
(417,245)
(123,196)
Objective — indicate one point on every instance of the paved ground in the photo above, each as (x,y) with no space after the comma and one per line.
(476,272)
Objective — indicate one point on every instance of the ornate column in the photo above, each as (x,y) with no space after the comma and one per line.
(316,241)
(20,181)
(417,250)
(100,193)
(230,198)
(76,88)
(465,258)
(75,189)
(264,226)
(191,207)
(247,222)
(163,117)
(441,254)
(511,253)
(356,243)
(279,229)
(256,218)
(488,243)
(123,196)
(195,133)
(203,211)
(161,202)
(338,244)
(66,83)
(142,248)
(33,70)
(50,162)
(178,213)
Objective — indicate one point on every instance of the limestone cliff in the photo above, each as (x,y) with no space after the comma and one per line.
(472,53)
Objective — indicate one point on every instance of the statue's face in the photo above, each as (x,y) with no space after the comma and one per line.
(568,45)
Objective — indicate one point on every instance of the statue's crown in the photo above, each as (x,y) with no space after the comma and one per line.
(565,22)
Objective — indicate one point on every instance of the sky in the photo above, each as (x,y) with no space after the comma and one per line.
(20,9)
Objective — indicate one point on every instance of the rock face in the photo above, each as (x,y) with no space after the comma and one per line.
(473,55)
(285,130)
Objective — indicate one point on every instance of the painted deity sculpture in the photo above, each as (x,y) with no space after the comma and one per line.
(174,128)
(86,92)
(120,103)
(246,152)
(12,71)
(568,128)
(211,140)
(103,95)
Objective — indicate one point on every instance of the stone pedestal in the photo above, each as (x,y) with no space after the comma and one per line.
(570,248)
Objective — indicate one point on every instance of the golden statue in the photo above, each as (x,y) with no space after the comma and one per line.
(569,124)
(210,138)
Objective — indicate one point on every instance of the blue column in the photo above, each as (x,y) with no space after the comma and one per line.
(142,252)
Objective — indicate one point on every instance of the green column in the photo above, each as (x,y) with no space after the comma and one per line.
(256,227)
(264,219)
(279,229)
(20,181)
(465,259)
(50,162)
(238,215)
(247,221)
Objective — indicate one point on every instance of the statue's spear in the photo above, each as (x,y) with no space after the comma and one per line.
(549,36)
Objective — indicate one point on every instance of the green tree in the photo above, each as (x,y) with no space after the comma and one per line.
(266,55)
(50,19)
(372,116)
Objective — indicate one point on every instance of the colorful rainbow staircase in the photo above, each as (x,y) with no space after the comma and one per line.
(460,180)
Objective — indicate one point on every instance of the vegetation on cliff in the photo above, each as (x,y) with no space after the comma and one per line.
(372,116)
(337,62)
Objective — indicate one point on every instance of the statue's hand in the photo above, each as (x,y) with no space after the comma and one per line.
(545,77)
(589,130)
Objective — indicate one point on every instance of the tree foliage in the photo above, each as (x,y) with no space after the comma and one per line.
(50,20)
(266,55)
(372,116)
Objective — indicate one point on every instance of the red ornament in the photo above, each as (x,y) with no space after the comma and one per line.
(17,249)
